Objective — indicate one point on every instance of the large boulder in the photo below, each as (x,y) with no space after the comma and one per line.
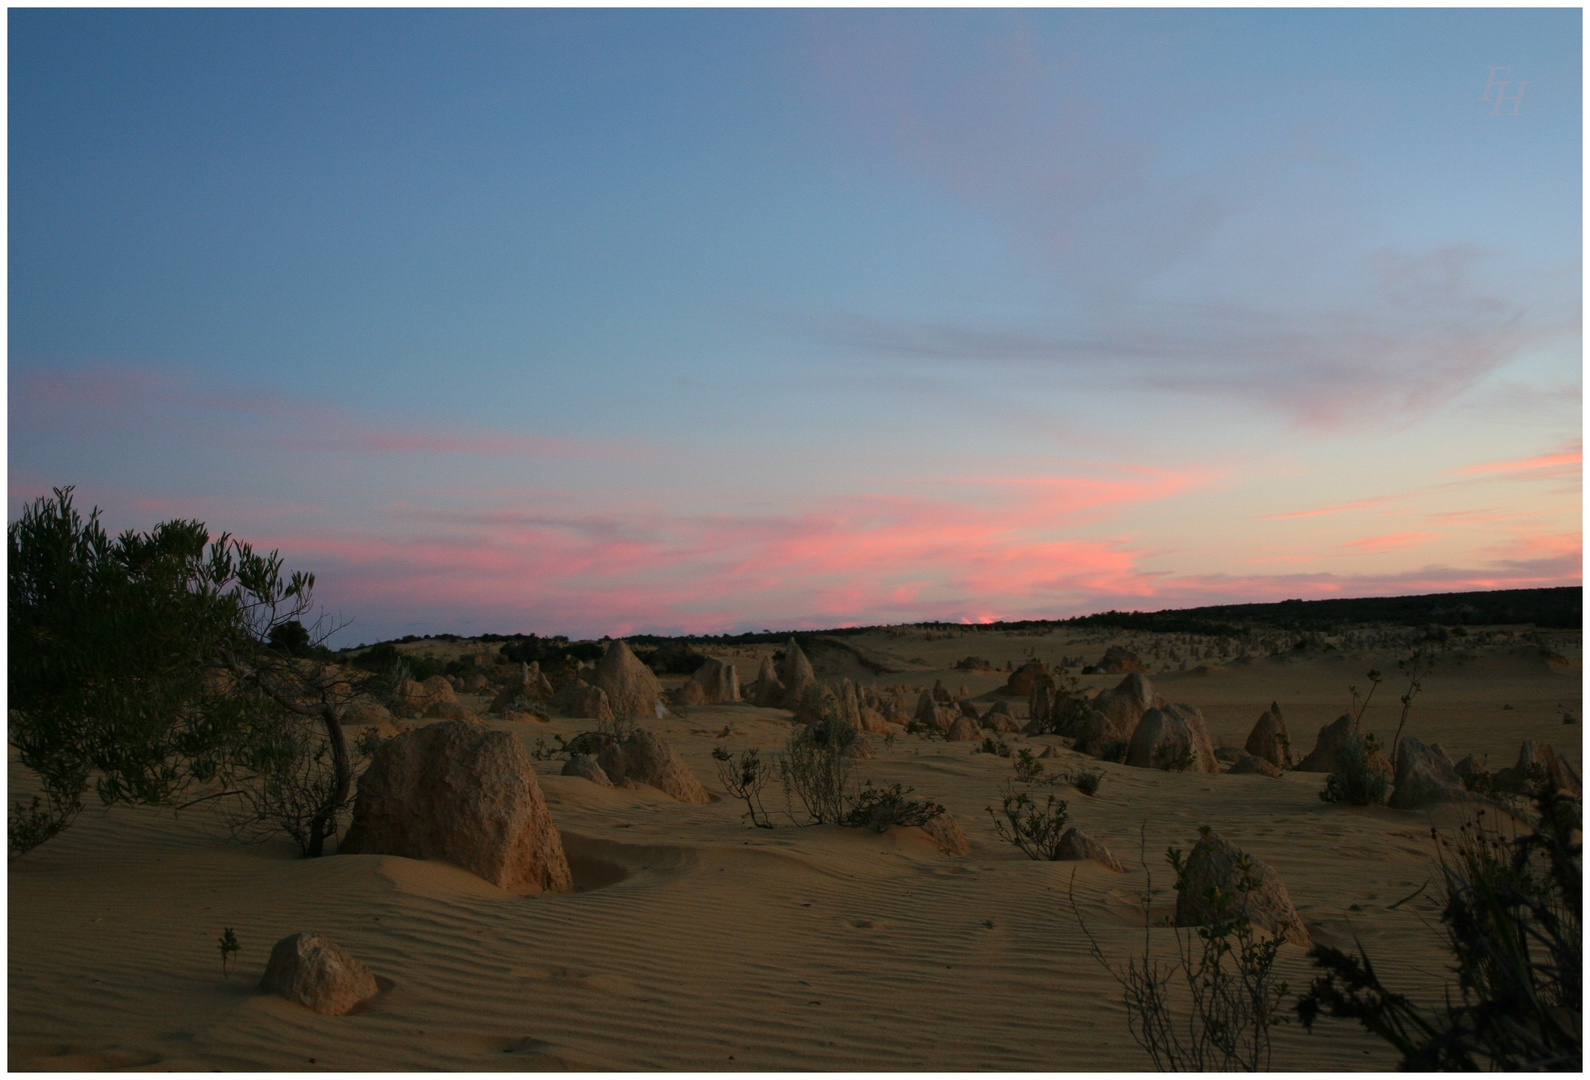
(315,972)
(1214,876)
(1127,701)
(1024,678)
(1078,846)
(1269,740)
(413,698)
(580,700)
(1118,661)
(460,793)
(936,716)
(1327,753)
(1172,737)
(369,714)
(873,722)
(817,705)
(715,682)
(849,704)
(796,675)
(630,686)
(941,693)
(767,691)
(1103,737)
(1425,776)
(647,759)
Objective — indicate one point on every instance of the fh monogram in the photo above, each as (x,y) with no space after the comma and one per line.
(1502,96)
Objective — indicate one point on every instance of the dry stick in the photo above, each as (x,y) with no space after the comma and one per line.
(1410,896)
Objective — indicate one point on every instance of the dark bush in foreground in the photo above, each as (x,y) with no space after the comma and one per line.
(1513,923)
(880,809)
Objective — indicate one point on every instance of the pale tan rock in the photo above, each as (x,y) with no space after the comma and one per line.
(1214,864)
(1117,660)
(964,729)
(947,834)
(1076,845)
(1126,702)
(797,674)
(968,709)
(715,682)
(646,758)
(586,766)
(451,710)
(460,793)
(1327,753)
(768,690)
(873,721)
(313,971)
(1424,777)
(940,693)
(1253,765)
(1024,678)
(1172,734)
(1269,740)
(630,686)
(581,701)
(1104,737)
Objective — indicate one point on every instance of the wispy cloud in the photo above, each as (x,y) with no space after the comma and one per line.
(1567,460)
(1389,542)
(1340,508)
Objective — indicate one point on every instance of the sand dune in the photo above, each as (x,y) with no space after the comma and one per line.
(696,942)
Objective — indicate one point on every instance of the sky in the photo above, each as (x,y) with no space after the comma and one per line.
(604,322)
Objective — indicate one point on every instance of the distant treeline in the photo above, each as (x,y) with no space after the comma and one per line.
(1550,609)
(1555,609)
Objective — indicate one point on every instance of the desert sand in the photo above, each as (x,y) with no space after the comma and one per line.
(694,941)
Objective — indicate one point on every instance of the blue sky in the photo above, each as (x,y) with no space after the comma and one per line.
(591,322)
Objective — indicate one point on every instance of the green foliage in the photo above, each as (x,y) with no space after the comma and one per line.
(745,777)
(143,666)
(229,948)
(994,744)
(880,809)
(1029,770)
(1357,783)
(815,769)
(1513,922)
(1086,781)
(1228,969)
(1035,829)
(1173,758)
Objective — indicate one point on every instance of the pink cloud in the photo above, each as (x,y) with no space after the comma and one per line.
(1567,460)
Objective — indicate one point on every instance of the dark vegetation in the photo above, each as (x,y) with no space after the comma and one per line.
(1513,923)
(1035,829)
(160,666)
(1228,968)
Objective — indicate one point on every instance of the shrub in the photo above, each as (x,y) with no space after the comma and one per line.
(228,947)
(1173,758)
(1035,830)
(879,809)
(1029,770)
(1086,781)
(744,778)
(1357,784)
(815,769)
(1233,995)
(993,744)
(1513,923)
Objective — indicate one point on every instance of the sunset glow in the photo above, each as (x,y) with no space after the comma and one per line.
(602,322)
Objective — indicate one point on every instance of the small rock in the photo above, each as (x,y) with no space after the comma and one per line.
(314,972)
(585,765)
(1076,845)
(951,840)
(1253,765)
